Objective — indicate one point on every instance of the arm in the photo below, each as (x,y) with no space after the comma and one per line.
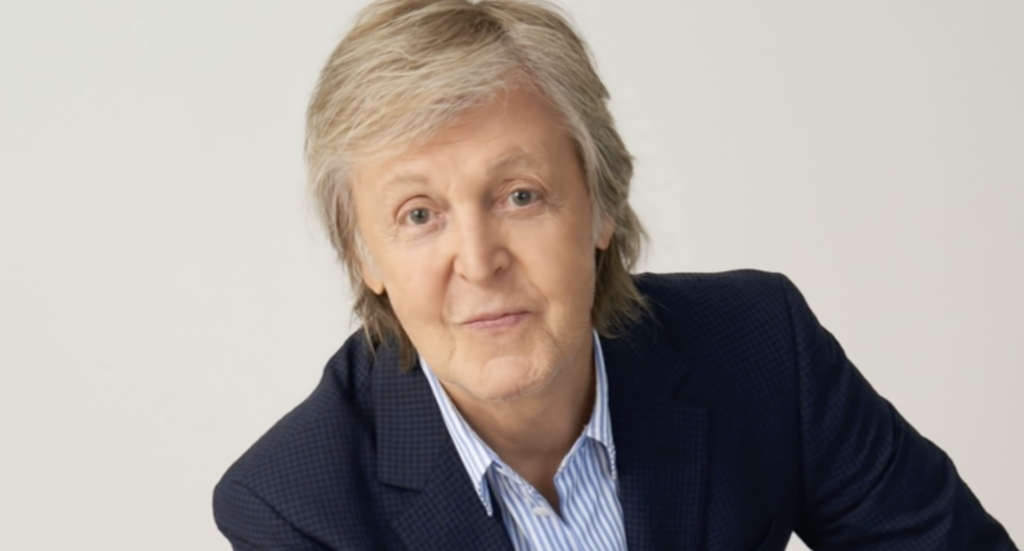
(872,482)
(250,524)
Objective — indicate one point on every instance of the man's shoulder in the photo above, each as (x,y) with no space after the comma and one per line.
(298,457)
(728,296)
(722,342)
(709,329)
(696,284)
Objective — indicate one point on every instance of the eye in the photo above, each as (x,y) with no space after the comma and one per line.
(522,197)
(418,217)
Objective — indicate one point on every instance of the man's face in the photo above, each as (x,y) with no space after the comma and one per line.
(483,239)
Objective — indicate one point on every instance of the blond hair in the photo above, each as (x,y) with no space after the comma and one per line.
(407,68)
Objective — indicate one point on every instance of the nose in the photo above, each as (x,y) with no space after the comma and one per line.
(482,253)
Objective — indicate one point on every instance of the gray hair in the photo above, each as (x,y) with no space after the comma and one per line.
(409,67)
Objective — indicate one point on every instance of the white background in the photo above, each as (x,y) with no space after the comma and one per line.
(165,295)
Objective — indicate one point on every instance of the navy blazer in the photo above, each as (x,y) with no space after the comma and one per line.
(737,420)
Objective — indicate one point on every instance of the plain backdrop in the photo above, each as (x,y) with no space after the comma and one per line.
(166,296)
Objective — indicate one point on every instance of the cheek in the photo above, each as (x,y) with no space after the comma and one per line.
(415,280)
(559,262)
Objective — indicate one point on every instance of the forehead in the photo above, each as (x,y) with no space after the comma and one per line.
(517,129)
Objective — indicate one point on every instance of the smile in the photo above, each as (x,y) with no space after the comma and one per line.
(495,321)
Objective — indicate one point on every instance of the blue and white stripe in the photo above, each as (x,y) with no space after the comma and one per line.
(586,481)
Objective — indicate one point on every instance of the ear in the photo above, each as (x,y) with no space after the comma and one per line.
(604,236)
(370,278)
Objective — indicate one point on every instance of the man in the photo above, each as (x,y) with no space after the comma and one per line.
(514,387)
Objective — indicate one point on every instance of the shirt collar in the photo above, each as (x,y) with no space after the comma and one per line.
(477,456)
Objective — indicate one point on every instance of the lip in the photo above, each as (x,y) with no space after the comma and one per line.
(495,320)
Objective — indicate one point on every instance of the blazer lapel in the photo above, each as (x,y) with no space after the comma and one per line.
(448,514)
(661,454)
(415,452)
(661,446)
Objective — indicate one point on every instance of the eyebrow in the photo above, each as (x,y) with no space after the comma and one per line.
(406,178)
(514,159)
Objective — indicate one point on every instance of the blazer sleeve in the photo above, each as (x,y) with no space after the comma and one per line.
(251,524)
(870,481)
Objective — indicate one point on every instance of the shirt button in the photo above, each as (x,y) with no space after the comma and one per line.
(541,511)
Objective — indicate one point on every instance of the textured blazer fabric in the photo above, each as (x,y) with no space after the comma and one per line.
(737,418)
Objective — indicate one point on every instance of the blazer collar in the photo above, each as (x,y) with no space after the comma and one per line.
(415,452)
(662,445)
(662,453)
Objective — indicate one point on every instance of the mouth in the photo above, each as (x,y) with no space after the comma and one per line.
(496,320)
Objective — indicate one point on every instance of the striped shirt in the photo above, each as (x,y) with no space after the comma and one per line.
(586,481)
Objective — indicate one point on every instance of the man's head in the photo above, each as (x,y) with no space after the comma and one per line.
(465,164)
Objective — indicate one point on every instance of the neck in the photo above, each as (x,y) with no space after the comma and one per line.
(534,433)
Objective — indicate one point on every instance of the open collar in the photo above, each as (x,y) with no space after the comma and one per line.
(477,457)
(661,449)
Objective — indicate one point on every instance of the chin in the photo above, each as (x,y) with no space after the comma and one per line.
(505,378)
